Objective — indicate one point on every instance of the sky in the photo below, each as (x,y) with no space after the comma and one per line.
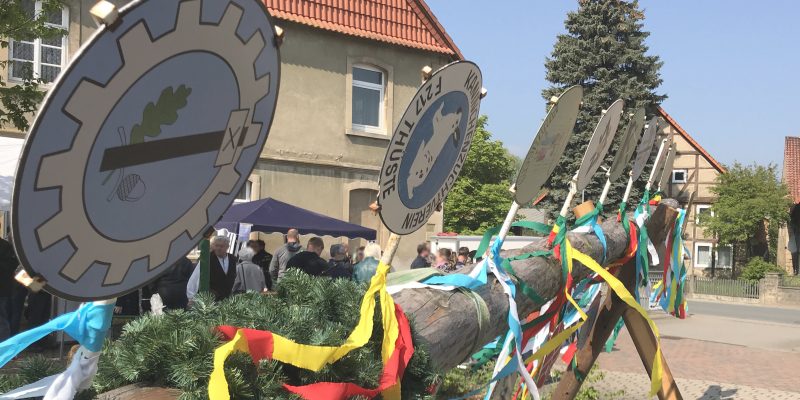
(730,67)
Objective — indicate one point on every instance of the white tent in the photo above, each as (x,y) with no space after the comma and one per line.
(10,149)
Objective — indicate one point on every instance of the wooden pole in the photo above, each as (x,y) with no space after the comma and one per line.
(448,323)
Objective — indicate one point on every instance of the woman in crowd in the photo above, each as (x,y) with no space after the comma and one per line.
(249,275)
(444,260)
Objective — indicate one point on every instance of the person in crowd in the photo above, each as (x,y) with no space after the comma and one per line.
(222,271)
(8,266)
(249,275)
(171,285)
(423,251)
(262,258)
(339,266)
(364,270)
(277,267)
(444,260)
(309,261)
(463,258)
(359,255)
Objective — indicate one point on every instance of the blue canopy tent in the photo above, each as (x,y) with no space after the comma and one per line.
(270,215)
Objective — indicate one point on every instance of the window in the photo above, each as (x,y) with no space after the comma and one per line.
(244,194)
(368,98)
(724,257)
(39,58)
(701,210)
(702,255)
(678,176)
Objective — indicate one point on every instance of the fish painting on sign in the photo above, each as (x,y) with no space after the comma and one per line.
(446,130)
(429,147)
(437,143)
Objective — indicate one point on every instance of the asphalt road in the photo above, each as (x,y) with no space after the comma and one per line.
(746,311)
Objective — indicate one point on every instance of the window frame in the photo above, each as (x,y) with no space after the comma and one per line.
(382,89)
(716,253)
(697,209)
(685,176)
(37,49)
(248,193)
(696,258)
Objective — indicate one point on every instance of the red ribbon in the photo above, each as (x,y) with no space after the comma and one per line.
(392,371)
(261,345)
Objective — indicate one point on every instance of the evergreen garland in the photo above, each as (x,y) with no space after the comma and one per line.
(176,349)
(603,51)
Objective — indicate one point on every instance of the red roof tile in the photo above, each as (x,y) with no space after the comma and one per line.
(691,140)
(403,22)
(791,166)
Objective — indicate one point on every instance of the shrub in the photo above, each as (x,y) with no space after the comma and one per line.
(757,268)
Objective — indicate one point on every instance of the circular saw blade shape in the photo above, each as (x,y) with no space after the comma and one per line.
(131,159)
(601,141)
(548,146)
(645,148)
(429,147)
(628,145)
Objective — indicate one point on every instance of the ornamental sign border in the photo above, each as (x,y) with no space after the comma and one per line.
(429,147)
(88,244)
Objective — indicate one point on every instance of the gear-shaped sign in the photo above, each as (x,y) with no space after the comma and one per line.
(144,142)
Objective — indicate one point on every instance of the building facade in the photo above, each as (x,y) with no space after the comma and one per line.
(348,71)
(694,172)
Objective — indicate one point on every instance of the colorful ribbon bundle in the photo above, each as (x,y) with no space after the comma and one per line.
(88,325)
(267,345)
(669,291)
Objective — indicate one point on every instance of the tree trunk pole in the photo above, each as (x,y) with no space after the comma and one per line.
(448,323)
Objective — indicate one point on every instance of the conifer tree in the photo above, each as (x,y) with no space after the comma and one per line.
(604,51)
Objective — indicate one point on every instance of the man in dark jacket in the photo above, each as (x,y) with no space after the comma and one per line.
(423,251)
(222,271)
(171,286)
(262,259)
(339,265)
(309,261)
(8,264)
(277,267)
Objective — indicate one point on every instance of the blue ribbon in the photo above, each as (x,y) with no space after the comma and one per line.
(88,325)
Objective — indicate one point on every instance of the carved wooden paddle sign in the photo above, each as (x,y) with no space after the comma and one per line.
(601,141)
(429,147)
(549,145)
(131,159)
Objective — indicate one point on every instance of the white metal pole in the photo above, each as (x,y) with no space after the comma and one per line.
(628,188)
(573,189)
(605,188)
(655,164)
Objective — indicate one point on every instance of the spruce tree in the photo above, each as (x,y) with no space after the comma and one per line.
(604,51)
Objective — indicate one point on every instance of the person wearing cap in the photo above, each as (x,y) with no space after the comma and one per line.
(339,265)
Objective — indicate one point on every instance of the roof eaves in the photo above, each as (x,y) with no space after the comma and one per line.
(287,16)
(691,140)
(429,16)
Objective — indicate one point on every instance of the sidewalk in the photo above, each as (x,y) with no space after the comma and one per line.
(634,386)
(763,361)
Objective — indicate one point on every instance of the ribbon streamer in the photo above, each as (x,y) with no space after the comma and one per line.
(310,357)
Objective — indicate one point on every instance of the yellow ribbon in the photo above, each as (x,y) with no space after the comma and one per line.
(314,358)
(560,338)
(623,293)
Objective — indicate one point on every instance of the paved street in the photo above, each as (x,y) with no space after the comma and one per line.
(721,351)
(746,311)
